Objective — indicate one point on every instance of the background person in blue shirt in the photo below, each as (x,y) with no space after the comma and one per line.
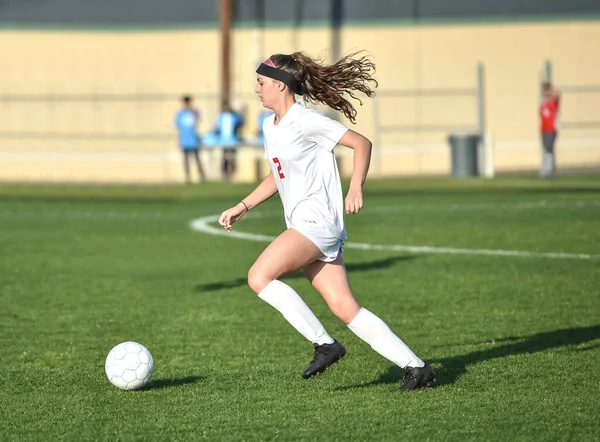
(229,123)
(186,121)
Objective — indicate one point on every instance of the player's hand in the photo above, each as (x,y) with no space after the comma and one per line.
(354,201)
(232,215)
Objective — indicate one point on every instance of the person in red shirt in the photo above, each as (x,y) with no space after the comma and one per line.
(549,117)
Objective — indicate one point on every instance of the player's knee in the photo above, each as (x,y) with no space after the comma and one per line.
(343,311)
(257,280)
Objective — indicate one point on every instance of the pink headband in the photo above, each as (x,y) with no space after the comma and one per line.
(268,62)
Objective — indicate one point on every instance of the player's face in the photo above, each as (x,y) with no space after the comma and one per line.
(266,89)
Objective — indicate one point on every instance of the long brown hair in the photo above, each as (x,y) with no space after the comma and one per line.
(331,84)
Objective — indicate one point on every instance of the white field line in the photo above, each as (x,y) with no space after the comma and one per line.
(203,225)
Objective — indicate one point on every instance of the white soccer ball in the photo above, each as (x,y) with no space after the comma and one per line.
(129,366)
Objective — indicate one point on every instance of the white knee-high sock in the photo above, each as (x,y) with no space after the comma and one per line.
(295,311)
(378,335)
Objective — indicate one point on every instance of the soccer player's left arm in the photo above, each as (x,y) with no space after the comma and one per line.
(362,159)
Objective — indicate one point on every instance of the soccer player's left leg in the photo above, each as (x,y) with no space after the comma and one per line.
(331,281)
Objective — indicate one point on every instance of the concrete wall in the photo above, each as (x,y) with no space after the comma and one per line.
(98,106)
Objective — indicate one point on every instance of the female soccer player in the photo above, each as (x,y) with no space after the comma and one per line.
(299,145)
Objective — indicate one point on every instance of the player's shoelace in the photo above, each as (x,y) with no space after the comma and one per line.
(320,350)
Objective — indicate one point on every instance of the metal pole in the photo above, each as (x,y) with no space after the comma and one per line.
(376,139)
(336,51)
(481,99)
(259,32)
(548,71)
(336,24)
(297,24)
(485,155)
(541,81)
(225,18)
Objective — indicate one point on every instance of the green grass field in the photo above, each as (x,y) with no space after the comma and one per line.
(515,338)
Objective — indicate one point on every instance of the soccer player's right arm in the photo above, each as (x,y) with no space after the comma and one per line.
(265,190)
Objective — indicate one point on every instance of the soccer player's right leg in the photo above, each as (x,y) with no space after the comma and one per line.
(290,252)
(331,281)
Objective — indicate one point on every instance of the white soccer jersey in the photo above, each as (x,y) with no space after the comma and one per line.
(300,154)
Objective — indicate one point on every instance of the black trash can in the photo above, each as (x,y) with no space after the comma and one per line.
(464,149)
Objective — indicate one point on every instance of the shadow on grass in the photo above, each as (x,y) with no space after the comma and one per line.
(160,384)
(352,267)
(449,370)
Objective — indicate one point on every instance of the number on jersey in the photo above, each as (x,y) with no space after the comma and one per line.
(276,161)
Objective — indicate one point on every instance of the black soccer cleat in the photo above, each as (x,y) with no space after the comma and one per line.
(417,377)
(325,356)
